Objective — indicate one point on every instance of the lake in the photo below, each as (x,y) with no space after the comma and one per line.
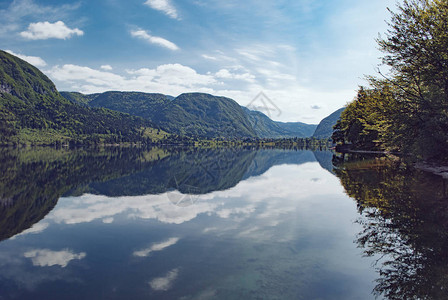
(161,223)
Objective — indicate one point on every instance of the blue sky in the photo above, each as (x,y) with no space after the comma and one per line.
(307,56)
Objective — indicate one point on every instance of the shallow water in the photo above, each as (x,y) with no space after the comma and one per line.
(184,224)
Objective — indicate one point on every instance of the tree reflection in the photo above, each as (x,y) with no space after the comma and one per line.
(31,181)
(405,225)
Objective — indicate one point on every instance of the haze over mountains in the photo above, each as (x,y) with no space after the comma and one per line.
(33,111)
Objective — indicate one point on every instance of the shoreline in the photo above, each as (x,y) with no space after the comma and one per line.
(436,169)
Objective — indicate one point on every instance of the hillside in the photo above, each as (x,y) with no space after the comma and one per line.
(143,105)
(266,128)
(192,114)
(33,112)
(205,116)
(196,114)
(78,98)
(297,129)
(325,128)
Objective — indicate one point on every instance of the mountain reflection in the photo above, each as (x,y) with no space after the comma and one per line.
(199,171)
(33,180)
(405,225)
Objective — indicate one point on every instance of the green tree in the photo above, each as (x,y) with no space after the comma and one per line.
(407,109)
(416,47)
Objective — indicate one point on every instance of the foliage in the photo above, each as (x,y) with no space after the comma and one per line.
(405,224)
(143,105)
(78,98)
(206,116)
(366,122)
(410,105)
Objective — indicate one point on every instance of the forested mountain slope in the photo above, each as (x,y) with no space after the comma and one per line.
(33,111)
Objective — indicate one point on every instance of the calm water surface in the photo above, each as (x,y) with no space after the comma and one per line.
(218,224)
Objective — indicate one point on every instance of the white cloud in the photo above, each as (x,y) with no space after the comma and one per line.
(88,208)
(164,6)
(223,73)
(106,67)
(24,9)
(34,60)
(156,247)
(249,55)
(172,79)
(274,76)
(73,73)
(186,76)
(46,30)
(108,220)
(227,212)
(142,34)
(209,57)
(209,229)
(164,283)
(219,56)
(46,257)
(35,229)
(226,74)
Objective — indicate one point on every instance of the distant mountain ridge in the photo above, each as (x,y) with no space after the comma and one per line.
(32,111)
(325,128)
(267,128)
(196,114)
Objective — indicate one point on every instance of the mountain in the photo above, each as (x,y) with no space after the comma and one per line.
(193,171)
(325,128)
(266,128)
(205,115)
(33,112)
(196,114)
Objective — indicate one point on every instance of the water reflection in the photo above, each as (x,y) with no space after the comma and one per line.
(32,181)
(46,257)
(219,223)
(253,232)
(405,225)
